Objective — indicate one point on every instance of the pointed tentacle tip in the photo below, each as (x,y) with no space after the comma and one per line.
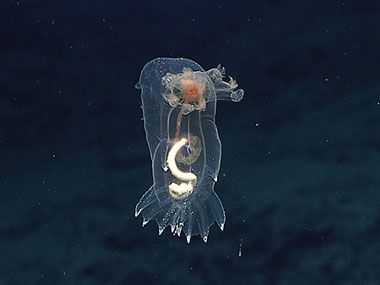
(188,238)
(137,210)
(145,222)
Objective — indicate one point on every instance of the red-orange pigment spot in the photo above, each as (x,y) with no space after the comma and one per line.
(192,93)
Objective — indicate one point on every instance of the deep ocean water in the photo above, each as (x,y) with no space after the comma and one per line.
(300,172)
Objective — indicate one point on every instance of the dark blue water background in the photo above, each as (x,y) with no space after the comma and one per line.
(300,173)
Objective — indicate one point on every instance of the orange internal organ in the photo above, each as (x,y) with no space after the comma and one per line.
(191,90)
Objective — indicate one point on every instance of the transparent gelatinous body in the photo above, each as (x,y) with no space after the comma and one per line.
(179,104)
